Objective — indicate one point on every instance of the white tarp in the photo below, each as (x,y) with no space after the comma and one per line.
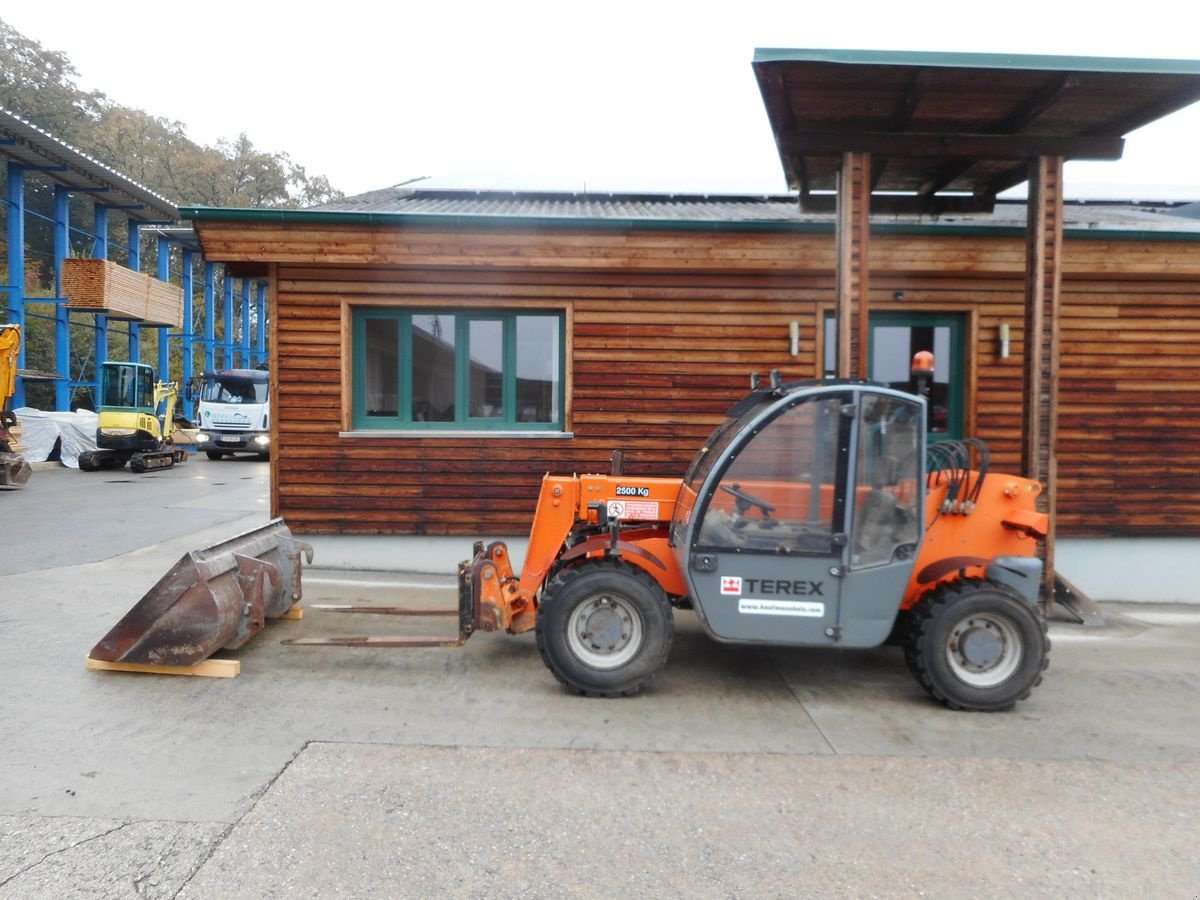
(76,432)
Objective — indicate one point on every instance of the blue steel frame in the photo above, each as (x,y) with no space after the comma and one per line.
(250,346)
(16,265)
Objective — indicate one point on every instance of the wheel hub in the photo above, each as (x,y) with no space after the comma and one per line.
(605,631)
(984,649)
(605,626)
(981,647)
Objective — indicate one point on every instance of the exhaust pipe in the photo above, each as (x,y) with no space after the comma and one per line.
(216,598)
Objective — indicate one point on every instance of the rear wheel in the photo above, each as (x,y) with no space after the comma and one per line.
(604,628)
(976,645)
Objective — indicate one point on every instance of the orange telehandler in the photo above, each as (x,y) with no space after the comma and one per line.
(809,518)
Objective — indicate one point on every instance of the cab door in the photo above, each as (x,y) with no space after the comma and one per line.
(766,538)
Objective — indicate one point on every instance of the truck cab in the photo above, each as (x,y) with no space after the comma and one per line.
(234,413)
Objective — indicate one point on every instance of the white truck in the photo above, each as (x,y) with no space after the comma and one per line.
(234,413)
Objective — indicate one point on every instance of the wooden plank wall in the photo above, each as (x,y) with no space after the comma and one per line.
(667,328)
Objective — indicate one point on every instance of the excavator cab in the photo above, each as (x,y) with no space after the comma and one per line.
(798,523)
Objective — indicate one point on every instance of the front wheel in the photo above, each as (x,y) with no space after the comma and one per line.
(976,645)
(213,454)
(604,628)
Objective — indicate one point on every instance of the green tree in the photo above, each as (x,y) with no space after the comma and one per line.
(40,86)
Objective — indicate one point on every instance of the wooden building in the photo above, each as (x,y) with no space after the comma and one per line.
(437,352)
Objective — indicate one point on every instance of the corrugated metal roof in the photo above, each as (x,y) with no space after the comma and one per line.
(543,205)
(718,209)
(26,144)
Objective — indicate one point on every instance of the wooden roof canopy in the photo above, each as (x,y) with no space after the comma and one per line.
(947,132)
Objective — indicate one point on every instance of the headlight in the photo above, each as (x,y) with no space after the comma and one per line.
(201,437)
(117,432)
(262,440)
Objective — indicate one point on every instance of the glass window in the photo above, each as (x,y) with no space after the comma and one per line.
(886,473)
(777,495)
(382,375)
(433,361)
(146,388)
(539,365)
(127,385)
(487,369)
(435,369)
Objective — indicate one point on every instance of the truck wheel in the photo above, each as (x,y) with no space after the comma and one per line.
(213,454)
(604,628)
(976,645)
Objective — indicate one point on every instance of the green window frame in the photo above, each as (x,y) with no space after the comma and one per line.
(428,369)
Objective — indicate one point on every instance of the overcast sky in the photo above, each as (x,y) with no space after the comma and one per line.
(604,96)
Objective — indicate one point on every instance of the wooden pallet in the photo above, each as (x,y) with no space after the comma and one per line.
(209,668)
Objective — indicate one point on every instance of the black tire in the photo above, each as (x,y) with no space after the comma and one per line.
(86,463)
(213,454)
(604,628)
(976,645)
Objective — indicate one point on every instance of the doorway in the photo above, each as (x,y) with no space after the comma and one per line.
(895,337)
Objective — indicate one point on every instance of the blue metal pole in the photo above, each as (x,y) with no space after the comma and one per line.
(100,251)
(188,324)
(262,323)
(244,343)
(62,316)
(16,266)
(210,317)
(164,331)
(227,322)
(135,263)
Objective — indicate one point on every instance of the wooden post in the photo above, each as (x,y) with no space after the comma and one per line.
(1043,280)
(853,264)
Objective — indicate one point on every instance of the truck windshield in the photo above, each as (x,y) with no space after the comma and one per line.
(233,390)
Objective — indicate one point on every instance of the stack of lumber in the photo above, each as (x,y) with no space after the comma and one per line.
(102,286)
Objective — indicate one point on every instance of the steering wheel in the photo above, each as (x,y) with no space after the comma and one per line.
(744,501)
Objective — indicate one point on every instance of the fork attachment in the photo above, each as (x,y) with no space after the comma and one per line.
(486,570)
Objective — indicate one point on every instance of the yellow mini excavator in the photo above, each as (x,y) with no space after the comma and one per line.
(131,429)
(14,470)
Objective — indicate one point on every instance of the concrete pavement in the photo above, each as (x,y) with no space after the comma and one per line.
(326,772)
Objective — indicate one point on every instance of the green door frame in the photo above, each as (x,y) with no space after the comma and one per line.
(956,389)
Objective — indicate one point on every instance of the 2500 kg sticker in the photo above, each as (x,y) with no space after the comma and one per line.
(627,491)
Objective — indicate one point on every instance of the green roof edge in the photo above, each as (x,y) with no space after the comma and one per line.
(320,217)
(981,60)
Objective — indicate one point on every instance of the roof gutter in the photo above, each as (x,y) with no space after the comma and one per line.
(301,217)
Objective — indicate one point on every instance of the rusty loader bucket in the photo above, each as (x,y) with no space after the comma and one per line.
(14,470)
(212,599)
